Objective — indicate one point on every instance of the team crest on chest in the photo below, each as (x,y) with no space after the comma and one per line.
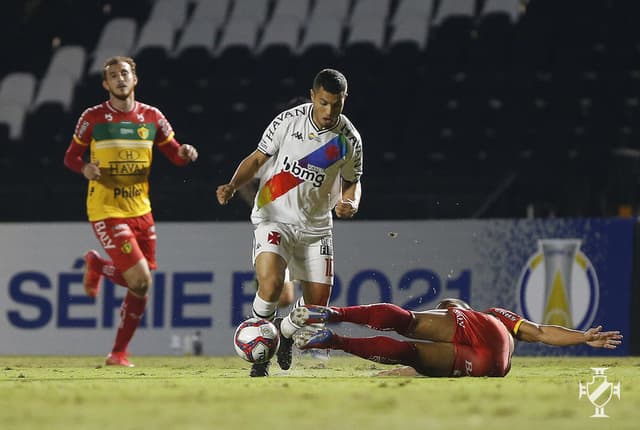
(143,132)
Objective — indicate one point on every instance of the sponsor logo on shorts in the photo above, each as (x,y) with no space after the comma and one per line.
(274,237)
(326,247)
(103,235)
(126,248)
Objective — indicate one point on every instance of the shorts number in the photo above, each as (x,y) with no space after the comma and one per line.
(328,270)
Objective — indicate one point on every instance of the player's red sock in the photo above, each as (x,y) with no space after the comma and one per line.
(130,314)
(380,349)
(105,267)
(380,316)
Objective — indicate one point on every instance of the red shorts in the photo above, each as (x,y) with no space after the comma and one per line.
(127,240)
(482,344)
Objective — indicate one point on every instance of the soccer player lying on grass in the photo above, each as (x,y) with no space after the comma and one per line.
(461,340)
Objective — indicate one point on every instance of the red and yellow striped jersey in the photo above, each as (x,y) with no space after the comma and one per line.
(121,144)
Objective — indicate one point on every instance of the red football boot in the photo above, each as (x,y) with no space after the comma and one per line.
(118,359)
(91,278)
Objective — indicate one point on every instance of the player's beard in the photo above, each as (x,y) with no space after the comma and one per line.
(122,96)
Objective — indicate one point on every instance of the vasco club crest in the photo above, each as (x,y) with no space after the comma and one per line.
(599,391)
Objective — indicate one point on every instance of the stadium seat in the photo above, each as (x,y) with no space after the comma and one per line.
(281,31)
(69,61)
(326,32)
(154,46)
(239,33)
(494,29)
(193,57)
(330,10)
(449,44)
(276,53)
(117,38)
(370,9)
(252,10)
(296,9)
(511,8)
(173,11)
(18,88)
(12,117)
(56,89)
(215,11)
(450,9)
(235,54)
(320,46)
(368,30)
(407,9)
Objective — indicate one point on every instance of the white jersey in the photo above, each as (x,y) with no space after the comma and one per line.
(301,182)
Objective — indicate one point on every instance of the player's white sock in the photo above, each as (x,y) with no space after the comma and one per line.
(264,309)
(287,327)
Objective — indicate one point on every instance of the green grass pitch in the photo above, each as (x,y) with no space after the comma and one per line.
(342,393)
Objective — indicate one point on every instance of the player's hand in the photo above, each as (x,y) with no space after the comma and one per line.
(91,171)
(346,208)
(188,152)
(597,338)
(224,193)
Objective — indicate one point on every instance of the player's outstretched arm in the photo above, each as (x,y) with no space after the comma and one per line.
(244,173)
(562,336)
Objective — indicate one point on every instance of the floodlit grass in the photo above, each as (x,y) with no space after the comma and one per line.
(343,393)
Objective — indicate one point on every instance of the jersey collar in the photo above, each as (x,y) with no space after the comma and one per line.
(113,109)
(316,128)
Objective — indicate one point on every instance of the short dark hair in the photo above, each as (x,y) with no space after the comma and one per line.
(331,80)
(118,59)
(452,303)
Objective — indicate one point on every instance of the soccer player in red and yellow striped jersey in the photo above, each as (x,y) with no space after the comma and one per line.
(120,134)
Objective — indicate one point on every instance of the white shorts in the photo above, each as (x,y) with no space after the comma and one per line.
(309,256)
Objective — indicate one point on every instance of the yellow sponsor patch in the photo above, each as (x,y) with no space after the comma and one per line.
(126,248)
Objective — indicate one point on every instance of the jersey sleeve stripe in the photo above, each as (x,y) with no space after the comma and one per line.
(516,327)
(167,140)
(77,140)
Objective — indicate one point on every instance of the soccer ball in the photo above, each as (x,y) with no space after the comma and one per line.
(256,340)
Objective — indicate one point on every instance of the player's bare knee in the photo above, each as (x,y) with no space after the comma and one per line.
(140,286)
(273,283)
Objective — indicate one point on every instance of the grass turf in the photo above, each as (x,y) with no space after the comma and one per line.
(342,393)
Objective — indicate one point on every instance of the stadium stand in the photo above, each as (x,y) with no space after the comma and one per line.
(468,108)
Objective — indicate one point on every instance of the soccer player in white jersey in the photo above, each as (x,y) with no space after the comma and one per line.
(312,158)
